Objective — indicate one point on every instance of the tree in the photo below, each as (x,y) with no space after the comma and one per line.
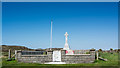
(111,49)
(100,50)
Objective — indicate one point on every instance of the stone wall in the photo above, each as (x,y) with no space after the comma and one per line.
(78,58)
(80,51)
(34,58)
(69,59)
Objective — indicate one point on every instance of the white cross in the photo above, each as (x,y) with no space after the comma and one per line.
(66,34)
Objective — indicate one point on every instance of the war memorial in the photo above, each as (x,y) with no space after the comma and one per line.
(85,35)
(62,56)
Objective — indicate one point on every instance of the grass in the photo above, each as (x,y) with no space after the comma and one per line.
(112,61)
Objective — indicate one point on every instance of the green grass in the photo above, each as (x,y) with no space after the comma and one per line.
(112,61)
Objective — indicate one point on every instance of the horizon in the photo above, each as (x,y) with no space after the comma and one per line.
(89,25)
(48,48)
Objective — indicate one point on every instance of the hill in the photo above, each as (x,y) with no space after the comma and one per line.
(5,48)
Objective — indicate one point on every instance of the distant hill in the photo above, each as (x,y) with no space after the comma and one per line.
(5,48)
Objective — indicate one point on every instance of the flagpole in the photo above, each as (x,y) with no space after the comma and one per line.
(51,37)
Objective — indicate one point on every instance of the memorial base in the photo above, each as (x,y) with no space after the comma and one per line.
(55,63)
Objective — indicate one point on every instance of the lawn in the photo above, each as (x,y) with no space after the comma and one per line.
(112,61)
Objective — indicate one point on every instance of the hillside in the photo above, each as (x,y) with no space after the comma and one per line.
(5,48)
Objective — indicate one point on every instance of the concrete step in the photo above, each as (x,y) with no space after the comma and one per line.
(55,63)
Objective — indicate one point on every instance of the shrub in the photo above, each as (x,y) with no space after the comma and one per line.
(87,53)
(100,50)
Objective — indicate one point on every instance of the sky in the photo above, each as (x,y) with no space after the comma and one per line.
(60,0)
(89,24)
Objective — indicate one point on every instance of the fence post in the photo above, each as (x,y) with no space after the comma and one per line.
(97,55)
(9,56)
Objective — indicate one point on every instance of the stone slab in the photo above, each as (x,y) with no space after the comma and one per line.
(55,63)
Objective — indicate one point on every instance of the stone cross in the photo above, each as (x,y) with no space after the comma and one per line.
(66,34)
(66,47)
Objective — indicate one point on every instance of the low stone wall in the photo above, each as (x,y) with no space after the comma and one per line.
(81,51)
(78,58)
(69,59)
(34,58)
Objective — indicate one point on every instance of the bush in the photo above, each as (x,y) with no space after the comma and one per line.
(111,49)
(87,53)
(100,50)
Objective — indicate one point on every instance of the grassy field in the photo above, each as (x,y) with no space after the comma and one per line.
(112,61)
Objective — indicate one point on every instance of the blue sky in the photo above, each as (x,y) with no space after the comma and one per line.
(89,25)
(60,0)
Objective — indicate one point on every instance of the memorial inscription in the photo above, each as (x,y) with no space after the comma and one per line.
(57,56)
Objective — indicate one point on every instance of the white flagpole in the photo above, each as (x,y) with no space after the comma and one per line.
(51,36)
